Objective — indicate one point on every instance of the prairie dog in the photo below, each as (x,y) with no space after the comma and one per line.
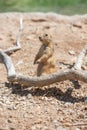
(44,58)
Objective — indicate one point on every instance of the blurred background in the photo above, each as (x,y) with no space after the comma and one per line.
(68,7)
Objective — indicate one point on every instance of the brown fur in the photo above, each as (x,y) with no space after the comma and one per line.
(44,58)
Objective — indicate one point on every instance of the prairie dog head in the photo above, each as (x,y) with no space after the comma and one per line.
(45,39)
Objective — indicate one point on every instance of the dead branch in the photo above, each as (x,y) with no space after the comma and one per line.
(8,64)
(18,46)
(69,74)
(80,58)
(75,124)
(49,79)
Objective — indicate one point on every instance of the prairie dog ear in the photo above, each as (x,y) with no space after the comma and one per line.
(40,37)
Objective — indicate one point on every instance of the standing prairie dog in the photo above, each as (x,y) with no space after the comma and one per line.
(44,58)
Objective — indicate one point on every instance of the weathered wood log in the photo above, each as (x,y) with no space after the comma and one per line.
(49,79)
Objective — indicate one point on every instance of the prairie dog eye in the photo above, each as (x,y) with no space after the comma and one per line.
(46,35)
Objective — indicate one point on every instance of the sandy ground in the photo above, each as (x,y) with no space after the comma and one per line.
(60,106)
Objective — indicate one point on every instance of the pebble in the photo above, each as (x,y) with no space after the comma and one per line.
(55,122)
(61,128)
(19,62)
(10,108)
(77,24)
(11,128)
(9,121)
(1,104)
(33,128)
(12,38)
(23,98)
(14,107)
(68,104)
(7,102)
(45,128)
(71,52)
(85,99)
(77,129)
(29,96)
(84,67)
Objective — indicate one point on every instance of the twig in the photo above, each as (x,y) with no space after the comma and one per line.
(8,64)
(76,124)
(19,34)
(80,58)
(18,46)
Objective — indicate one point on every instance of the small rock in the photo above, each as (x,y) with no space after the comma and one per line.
(14,107)
(55,122)
(85,99)
(7,102)
(44,98)
(47,27)
(25,115)
(29,96)
(85,117)
(71,52)
(19,63)
(77,24)
(10,108)
(33,128)
(9,121)
(68,104)
(45,128)
(11,128)
(12,39)
(23,98)
(84,67)
(77,129)
(1,104)
(61,128)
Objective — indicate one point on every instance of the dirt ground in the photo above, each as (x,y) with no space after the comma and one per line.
(60,106)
